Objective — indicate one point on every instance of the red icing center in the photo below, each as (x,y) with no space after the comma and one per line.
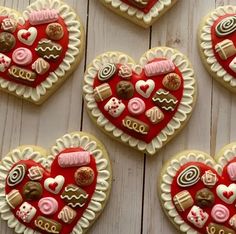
(41,34)
(146,9)
(68,174)
(222,180)
(154,128)
(216,39)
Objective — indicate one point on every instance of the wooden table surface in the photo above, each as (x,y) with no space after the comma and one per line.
(134,206)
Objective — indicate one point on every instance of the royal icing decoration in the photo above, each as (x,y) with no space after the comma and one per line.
(131,101)
(217,45)
(205,205)
(38,48)
(232,65)
(56,193)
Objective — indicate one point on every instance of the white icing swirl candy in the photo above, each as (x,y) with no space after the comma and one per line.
(22,56)
(189,176)
(16,175)
(226,26)
(107,72)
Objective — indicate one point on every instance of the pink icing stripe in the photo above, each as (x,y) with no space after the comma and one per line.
(136,106)
(74,159)
(48,205)
(43,16)
(231,169)
(159,68)
(22,56)
(220,213)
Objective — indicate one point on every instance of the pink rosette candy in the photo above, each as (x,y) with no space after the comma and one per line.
(136,106)
(220,213)
(48,205)
(22,56)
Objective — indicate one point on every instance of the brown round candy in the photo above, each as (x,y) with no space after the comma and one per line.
(125,89)
(7,42)
(84,176)
(204,198)
(172,81)
(55,31)
(32,190)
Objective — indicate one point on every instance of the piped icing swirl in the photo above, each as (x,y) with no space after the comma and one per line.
(226,26)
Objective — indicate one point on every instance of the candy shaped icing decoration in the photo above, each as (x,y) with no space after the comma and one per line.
(47,225)
(197,216)
(48,205)
(67,214)
(55,31)
(204,198)
(183,200)
(231,169)
(32,191)
(84,176)
(74,159)
(220,213)
(74,196)
(43,16)
(209,179)
(136,106)
(172,81)
(145,88)
(135,125)
(114,107)
(22,56)
(20,73)
(27,36)
(5,62)
(227,193)
(232,221)
(155,115)
(7,42)
(125,89)
(26,212)
(226,26)
(102,92)
(225,49)
(125,72)
(189,176)
(140,3)
(14,198)
(9,25)
(159,68)
(214,228)
(16,175)
(54,185)
(232,65)
(35,173)
(41,66)
(107,71)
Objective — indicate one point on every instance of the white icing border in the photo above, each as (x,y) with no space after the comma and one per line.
(147,18)
(172,169)
(74,29)
(184,109)
(206,44)
(72,140)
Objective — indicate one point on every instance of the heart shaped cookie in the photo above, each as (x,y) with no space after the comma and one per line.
(142,105)
(38,49)
(198,193)
(217,36)
(61,191)
(141,12)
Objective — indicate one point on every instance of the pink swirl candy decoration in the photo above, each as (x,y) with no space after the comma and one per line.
(48,205)
(22,56)
(220,213)
(136,106)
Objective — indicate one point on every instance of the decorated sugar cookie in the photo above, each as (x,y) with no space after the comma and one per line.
(141,12)
(198,193)
(217,35)
(145,105)
(38,49)
(60,191)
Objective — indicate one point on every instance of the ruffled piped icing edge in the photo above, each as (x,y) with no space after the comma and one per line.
(132,11)
(184,109)
(72,140)
(171,169)
(206,44)
(75,36)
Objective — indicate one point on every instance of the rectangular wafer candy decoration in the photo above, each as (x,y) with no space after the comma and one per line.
(159,68)
(74,159)
(225,49)
(183,200)
(102,92)
(43,16)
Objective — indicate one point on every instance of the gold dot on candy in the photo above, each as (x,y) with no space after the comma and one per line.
(55,31)
(84,176)
(32,190)
(7,42)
